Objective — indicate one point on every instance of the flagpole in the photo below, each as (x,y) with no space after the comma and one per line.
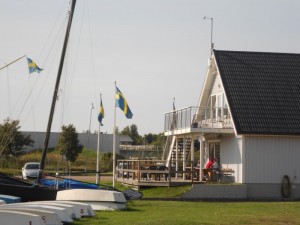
(114,140)
(12,62)
(98,150)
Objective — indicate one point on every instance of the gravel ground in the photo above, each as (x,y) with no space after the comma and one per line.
(90,178)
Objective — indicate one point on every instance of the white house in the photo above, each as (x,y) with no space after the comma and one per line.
(248,116)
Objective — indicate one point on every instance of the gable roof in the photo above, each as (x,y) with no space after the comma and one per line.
(262,90)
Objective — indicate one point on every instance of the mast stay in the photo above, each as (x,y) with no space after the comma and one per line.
(55,93)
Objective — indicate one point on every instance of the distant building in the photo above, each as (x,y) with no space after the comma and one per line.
(89,141)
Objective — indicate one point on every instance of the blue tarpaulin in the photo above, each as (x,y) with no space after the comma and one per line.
(67,184)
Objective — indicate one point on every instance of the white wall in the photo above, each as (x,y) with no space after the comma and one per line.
(217,86)
(231,155)
(268,159)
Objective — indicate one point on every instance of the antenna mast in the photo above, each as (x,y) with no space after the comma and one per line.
(211,32)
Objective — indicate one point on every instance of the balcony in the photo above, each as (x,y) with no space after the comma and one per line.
(197,119)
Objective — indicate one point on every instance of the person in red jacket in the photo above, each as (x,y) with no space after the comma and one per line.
(206,172)
(210,162)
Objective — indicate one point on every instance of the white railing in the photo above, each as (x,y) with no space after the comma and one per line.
(139,147)
(198,117)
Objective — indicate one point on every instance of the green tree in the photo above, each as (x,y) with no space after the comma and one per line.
(68,143)
(133,133)
(12,141)
(155,139)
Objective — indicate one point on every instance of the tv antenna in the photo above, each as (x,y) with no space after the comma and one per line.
(211,32)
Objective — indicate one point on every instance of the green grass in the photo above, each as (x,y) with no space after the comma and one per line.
(164,192)
(54,162)
(187,213)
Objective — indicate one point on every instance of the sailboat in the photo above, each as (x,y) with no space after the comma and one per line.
(37,192)
(25,190)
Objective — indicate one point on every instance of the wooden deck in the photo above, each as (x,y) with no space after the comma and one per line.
(140,173)
(155,183)
(153,173)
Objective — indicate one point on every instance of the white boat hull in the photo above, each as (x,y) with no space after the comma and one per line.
(98,199)
(62,213)
(19,218)
(48,217)
(84,209)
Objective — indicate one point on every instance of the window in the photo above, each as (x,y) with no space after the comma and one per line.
(218,105)
(214,149)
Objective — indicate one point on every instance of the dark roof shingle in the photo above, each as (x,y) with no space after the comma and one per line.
(263,91)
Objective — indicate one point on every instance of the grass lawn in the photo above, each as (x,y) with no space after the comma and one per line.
(141,212)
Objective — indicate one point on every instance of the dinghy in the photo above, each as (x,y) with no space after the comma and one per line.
(63,214)
(84,209)
(19,218)
(48,217)
(98,199)
(74,214)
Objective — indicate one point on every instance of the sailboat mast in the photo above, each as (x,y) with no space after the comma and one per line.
(54,99)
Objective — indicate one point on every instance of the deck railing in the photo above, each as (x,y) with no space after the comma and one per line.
(137,171)
(156,173)
(198,117)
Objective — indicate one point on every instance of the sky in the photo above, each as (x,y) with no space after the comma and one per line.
(155,50)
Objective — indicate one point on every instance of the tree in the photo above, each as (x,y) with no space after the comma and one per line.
(68,143)
(155,139)
(12,141)
(133,133)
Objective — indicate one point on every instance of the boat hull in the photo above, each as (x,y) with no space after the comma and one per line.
(98,199)
(26,191)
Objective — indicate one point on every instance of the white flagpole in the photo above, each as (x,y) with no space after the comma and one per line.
(114,139)
(98,151)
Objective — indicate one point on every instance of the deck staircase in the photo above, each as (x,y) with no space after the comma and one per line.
(170,150)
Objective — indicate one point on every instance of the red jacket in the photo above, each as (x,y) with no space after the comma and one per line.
(209,164)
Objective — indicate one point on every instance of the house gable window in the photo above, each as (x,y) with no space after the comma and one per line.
(217,106)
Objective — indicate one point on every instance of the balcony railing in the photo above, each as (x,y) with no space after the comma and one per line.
(198,117)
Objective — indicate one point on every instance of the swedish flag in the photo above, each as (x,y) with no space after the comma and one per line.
(101,113)
(33,67)
(122,104)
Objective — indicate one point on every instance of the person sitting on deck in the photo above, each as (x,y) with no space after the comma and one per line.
(215,167)
(207,169)
(209,163)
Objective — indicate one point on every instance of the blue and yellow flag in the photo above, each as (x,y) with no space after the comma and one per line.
(101,113)
(33,67)
(122,104)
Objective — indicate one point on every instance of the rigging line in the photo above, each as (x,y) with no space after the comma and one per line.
(52,30)
(8,134)
(20,95)
(92,52)
(57,37)
(8,91)
(73,66)
(5,139)
(47,76)
(34,85)
(58,40)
